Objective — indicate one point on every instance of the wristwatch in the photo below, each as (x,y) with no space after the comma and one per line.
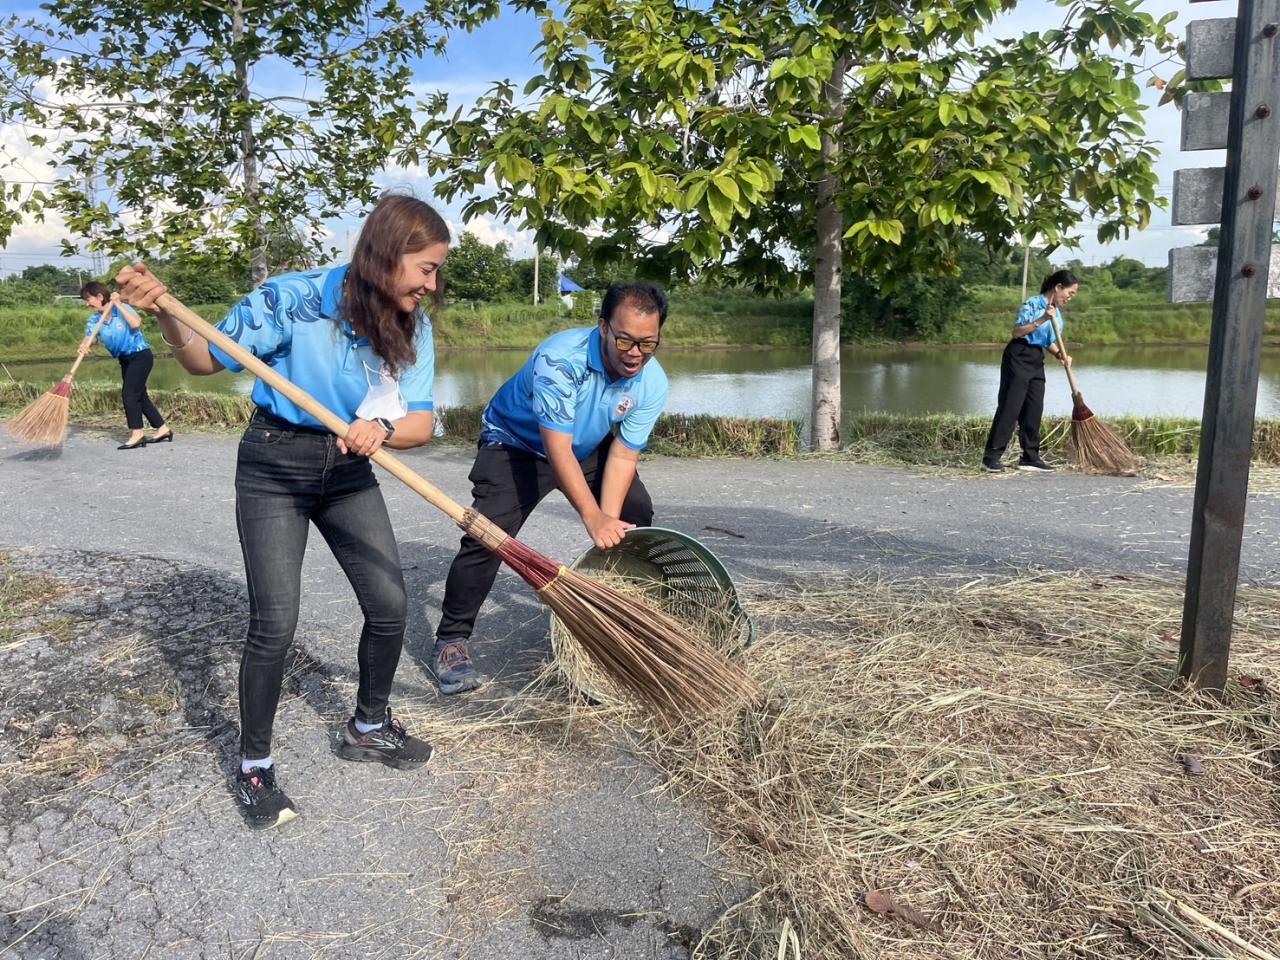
(386,425)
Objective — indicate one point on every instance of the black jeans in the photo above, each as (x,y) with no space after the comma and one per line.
(287,478)
(1020,401)
(134,370)
(507,484)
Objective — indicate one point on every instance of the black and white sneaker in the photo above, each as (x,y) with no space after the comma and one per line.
(1034,465)
(263,803)
(389,744)
(996,467)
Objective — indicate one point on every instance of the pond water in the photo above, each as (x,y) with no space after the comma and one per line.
(1140,380)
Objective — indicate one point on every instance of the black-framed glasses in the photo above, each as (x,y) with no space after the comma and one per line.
(624,344)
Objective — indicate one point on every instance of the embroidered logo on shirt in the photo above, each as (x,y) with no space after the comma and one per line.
(624,405)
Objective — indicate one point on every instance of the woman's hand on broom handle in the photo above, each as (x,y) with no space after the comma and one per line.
(142,288)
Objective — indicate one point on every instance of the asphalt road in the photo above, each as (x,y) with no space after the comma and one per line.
(507,846)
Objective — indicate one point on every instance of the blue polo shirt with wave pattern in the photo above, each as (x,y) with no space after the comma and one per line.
(1034,308)
(563,386)
(290,323)
(116,335)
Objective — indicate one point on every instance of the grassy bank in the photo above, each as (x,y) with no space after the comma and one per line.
(53,332)
(701,319)
(675,435)
(929,439)
(1115,318)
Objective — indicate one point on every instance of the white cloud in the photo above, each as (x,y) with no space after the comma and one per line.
(491,231)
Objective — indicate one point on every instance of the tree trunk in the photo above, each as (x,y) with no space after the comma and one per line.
(825,425)
(248,156)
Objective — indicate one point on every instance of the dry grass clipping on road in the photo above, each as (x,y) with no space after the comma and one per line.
(994,771)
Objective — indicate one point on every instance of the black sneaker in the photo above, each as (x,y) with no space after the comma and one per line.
(1034,465)
(264,804)
(454,670)
(996,467)
(389,744)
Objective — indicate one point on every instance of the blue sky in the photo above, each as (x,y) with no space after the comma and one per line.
(502,49)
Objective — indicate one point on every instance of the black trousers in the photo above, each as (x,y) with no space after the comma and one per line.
(507,484)
(134,370)
(1021,401)
(288,478)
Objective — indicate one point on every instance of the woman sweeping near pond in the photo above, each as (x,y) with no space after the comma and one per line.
(122,336)
(355,338)
(1021,398)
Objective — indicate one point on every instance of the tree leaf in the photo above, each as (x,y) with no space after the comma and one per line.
(882,903)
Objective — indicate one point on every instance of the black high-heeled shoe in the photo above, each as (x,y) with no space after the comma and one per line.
(140,442)
(165,439)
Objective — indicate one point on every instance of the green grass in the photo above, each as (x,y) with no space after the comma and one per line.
(675,434)
(694,319)
(935,439)
(701,318)
(54,332)
(1115,317)
(952,440)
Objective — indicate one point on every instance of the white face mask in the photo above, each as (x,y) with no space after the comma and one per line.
(383,398)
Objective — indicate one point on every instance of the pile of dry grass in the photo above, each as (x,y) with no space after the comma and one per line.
(1001,770)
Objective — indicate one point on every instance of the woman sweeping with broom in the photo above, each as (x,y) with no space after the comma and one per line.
(122,335)
(355,338)
(1021,398)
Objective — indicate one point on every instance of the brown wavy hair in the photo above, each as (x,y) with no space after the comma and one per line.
(398,224)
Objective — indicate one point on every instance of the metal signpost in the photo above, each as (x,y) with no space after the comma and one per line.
(1238,277)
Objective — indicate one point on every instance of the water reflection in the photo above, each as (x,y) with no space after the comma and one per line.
(1140,380)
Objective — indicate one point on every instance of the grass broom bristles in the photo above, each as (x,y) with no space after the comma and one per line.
(647,653)
(1096,447)
(44,420)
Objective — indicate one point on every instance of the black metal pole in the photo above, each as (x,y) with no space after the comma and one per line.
(1235,345)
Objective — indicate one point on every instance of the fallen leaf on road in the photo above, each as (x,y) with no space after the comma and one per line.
(881,902)
(1256,684)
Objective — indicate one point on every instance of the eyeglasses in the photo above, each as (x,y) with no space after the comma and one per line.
(624,344)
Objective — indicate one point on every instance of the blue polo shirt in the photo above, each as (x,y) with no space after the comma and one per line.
(1043,335)
(290,323)
(116,335)
(563,386)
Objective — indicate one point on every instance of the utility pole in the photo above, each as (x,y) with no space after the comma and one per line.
(91,196)
(1238,277)
(536,257)
(1026,266)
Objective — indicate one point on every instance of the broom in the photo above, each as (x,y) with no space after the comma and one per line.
(1097,448)
(44,420)
(650,655)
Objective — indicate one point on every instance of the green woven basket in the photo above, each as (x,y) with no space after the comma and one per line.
(675,572)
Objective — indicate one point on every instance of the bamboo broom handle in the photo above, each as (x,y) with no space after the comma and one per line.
(196,324)
(1062,345)
(92,334)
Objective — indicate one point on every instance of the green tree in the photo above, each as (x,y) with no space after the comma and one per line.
(720,137)
(156,100)
(195,284)
(548,279)
(476,270)
(66,281)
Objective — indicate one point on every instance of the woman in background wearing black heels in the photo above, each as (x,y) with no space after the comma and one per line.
(122,336)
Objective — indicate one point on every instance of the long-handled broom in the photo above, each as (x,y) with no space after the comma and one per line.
(648,653)
(44,420)
(1097,448)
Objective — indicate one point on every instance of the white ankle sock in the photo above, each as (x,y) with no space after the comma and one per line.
(362,727)
(247,765)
